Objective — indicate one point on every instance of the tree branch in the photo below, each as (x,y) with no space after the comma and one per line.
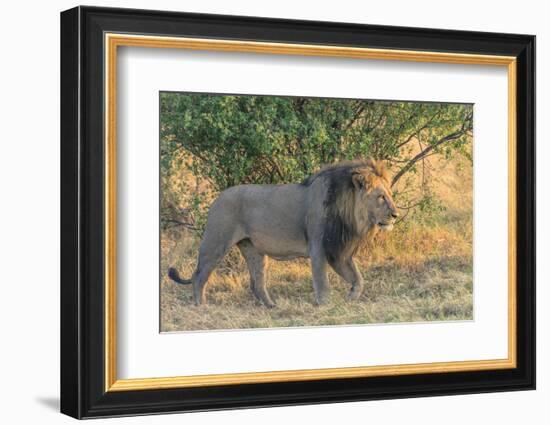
(425,152)
(418,130)
(355,117)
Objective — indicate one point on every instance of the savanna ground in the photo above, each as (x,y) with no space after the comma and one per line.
(421,271)
(417,272)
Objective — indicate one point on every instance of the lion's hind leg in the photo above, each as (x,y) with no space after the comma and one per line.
(213,248)
(257,264)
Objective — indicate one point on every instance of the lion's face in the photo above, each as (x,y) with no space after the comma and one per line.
(374,202)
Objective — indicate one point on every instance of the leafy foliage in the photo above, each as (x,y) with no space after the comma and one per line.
(230,140)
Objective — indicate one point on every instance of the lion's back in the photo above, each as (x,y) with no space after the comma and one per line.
(254,202)
(271,216)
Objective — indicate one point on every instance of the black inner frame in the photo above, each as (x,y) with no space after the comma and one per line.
(82,207)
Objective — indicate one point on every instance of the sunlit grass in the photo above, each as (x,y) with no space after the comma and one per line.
(415,281)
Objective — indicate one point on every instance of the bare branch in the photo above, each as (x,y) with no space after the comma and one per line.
(189,226)
(425,152)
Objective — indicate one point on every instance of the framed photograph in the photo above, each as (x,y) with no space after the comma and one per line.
(261,212)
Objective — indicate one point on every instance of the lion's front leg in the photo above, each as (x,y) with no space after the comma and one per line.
(350,273)
(319,271)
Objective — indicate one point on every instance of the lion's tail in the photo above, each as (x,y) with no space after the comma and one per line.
(175,276)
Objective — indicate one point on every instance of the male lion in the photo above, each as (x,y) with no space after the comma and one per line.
(323,218)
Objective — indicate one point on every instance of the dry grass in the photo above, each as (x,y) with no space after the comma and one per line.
(409,288)
(418,272)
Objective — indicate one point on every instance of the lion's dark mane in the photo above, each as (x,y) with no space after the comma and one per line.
(341,238)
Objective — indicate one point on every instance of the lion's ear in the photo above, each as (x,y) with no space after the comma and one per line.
(371,162)
(358,180)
